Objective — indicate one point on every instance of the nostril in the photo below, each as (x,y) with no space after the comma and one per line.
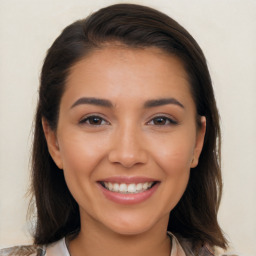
(127,160)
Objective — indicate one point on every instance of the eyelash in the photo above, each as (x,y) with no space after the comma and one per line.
(167,121)
(87,120)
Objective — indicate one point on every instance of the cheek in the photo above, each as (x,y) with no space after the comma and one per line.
(174,161)
(80,157)
(174,154)
(80,150)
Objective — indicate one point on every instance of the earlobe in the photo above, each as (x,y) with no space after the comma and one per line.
(52,143)
(199,142)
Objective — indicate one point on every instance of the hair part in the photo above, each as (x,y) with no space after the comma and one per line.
(135,26)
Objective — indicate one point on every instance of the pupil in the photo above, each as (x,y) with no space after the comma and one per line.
(95,120)
(160,120)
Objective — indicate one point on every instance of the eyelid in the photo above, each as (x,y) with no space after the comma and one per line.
(95,115)
(172,120)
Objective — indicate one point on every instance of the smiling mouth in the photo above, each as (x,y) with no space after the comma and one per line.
(132,188)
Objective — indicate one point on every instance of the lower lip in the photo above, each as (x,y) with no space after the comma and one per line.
(128,198)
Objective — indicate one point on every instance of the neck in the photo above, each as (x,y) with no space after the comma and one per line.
(95,240)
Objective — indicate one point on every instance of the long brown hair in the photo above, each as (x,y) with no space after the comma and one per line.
(195,216)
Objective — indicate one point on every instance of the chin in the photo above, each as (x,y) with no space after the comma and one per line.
(131,225)
(131,230)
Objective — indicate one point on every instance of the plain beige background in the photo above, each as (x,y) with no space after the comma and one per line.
(226,31)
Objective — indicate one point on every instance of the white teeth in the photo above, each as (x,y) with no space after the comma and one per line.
(131,188)
(110,186)
(116,187)
(139,186)
(145,185)
(123,187)
(128,188)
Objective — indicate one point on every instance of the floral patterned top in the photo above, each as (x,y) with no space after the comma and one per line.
(59,248)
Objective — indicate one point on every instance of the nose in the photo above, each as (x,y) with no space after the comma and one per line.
(128,148)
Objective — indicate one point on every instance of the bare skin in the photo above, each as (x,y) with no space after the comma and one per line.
(126,114)
(95,243)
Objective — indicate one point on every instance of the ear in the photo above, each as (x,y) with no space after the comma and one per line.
(52,143)
(199,142)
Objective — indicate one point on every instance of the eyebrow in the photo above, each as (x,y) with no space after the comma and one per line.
(161,102)
(107,103)
(93,101)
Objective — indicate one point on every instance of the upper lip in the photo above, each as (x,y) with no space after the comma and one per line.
(128,179)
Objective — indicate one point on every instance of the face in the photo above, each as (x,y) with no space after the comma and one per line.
(126,137)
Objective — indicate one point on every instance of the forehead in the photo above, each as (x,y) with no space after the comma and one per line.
(149,57)
(120,71)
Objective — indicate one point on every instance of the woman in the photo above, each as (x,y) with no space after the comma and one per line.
(126,156)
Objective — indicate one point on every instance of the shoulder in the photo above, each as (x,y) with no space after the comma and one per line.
(28,250)
(204,250)
(57,248)
(221,252)
(187,247)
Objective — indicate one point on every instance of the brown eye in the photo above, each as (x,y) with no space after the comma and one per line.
(161,121)
(93,120)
